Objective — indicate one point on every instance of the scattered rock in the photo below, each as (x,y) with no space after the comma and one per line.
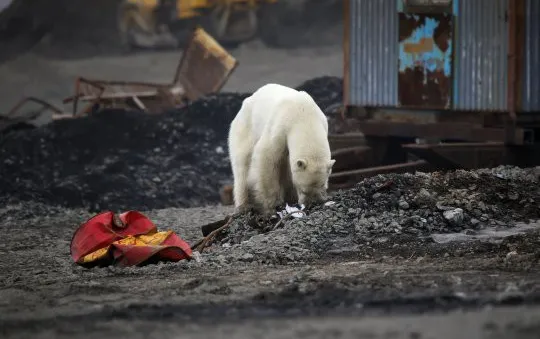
(424,198)
(355,219)
(403,205)
(511,254)
(454,217)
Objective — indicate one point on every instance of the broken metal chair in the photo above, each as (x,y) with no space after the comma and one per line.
(203,69)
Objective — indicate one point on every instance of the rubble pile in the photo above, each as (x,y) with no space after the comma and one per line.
(384,207)
(118,159)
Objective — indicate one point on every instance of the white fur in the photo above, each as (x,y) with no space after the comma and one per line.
(279,151)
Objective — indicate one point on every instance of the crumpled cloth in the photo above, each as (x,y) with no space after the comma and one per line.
(128,239)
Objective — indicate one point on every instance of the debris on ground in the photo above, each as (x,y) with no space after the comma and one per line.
(201,53)
(116,159)
(15,120)
(343,256)
(385,207)
(127,239)
(91,95)
(293,211)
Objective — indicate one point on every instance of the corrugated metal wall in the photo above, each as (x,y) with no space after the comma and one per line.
(480,61)
(373,53)
(531,78)
(480,73)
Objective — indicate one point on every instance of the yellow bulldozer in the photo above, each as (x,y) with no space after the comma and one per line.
(155,23)
(107,25)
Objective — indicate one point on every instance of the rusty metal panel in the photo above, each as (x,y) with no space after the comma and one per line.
(373,53)
(531,69)
(481,70)
(425,60)
(205,66)
(118,89)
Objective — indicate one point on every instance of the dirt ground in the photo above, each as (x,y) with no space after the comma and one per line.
(395,285)
(412,290)
(373,283)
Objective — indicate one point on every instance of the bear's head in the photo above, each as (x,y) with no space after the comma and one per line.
(310,179)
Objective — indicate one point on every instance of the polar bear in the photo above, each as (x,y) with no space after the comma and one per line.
(279,150)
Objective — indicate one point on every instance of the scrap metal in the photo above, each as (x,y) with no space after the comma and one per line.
(347,179)
(451,131)
(451,156)
(12,117)
(147,97)
(338,141)
(204,68)
(351,157)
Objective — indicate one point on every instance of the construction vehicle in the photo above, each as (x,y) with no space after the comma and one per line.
(110,24)
(168,23)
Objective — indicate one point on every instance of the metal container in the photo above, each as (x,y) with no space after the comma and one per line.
(481,39)
(531,69)
(373,53)
(441,60)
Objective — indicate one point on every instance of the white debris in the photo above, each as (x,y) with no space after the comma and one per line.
(511,254)
(196,256)
(292,210)
(329,203)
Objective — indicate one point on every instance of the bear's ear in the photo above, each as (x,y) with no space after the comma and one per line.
(301,164)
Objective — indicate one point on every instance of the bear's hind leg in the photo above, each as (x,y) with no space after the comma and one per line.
(266,164)
(240,149)
(240,163)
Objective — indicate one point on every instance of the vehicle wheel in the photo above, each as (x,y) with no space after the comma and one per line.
(132,28)
(126,25)
(229,26)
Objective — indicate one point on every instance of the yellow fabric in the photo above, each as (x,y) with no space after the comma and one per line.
(152,239)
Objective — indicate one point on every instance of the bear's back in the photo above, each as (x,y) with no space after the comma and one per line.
(274,101)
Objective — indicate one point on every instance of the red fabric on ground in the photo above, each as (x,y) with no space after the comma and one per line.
(100,239)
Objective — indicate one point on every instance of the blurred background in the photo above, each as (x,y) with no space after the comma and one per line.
(47,44)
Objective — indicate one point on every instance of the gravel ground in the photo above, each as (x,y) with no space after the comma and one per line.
(384,208)
(367,256)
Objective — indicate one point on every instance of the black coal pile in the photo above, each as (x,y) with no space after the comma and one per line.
(118,159)
(393,206)
(326,91)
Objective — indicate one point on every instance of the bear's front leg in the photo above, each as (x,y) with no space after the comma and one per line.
(266,178)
